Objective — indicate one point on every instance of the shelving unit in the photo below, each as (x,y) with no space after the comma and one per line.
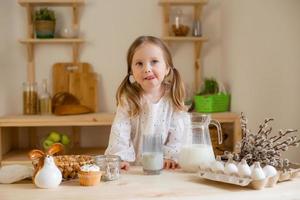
(227,117)
(198,41)
(10,153)
(30,41)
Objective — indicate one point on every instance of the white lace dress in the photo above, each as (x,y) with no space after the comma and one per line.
(156,118)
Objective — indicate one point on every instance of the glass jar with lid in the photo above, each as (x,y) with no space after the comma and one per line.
(109,165)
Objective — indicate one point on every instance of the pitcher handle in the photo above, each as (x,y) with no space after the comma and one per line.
(218,125)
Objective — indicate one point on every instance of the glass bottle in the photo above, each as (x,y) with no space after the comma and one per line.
(197,31)
(30,98)
(45,99)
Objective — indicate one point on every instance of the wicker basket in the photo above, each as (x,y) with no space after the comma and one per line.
(69,165)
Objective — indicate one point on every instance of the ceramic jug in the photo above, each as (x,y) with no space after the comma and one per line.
(46,173)
(49,176)
(198,151)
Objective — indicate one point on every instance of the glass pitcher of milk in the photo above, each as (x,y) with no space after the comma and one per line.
(198,152)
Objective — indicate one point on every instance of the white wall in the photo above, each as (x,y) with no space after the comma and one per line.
(6,54)
(260,51)
(253,47)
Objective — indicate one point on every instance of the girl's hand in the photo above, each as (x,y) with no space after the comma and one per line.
(170,164)
(125,165)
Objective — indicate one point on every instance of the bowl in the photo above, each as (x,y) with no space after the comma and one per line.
(67,32)
(181,30)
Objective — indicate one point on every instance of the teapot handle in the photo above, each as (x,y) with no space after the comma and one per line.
(218,125)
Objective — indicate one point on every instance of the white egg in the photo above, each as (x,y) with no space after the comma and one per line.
(244,169)
(257,172)
(217,166)
(269,171)
(230,169)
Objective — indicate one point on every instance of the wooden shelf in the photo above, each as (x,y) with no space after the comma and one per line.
(167,31)
(94,119)
(30,41)
(20,156)
(225,117)
(55,40)
(50,2)
(192,39)
(15,155)
(183,2)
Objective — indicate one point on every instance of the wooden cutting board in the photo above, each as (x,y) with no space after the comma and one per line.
(79,80)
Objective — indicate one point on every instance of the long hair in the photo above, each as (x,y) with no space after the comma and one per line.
(133,91)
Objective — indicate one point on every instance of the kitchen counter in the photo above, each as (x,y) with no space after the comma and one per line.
(134,185)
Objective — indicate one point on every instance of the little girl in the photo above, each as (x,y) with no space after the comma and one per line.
(151,97)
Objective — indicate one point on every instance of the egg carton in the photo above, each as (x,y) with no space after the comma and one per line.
(249,182)
(241,181)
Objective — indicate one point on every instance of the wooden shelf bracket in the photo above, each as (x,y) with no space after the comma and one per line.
(198,41)
(198,67)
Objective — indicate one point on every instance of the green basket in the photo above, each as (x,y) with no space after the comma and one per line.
(212,103)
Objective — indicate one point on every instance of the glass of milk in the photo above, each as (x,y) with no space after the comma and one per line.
(152,156)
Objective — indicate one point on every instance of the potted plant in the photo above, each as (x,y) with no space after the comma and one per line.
(211,99)
(44,23)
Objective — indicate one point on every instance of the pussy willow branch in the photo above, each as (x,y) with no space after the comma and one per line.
(260,147)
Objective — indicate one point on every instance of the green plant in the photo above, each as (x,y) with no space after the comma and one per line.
(44,14)
(210,87)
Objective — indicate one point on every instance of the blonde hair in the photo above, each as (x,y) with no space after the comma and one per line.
(133,91)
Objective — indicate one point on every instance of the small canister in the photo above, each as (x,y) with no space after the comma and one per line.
(110,165)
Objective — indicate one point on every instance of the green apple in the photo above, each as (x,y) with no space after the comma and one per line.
(47,144)
(54,136)
(65,140)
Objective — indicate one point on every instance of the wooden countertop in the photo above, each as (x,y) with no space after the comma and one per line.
(134,185)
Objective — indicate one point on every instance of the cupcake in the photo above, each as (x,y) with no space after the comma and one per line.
(89,175)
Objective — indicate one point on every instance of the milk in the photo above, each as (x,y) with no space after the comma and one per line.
(195,155)
(152,162)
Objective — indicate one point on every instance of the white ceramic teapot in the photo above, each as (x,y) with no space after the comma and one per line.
(49,176)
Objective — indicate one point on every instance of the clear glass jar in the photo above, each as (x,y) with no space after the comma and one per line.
(30,98)
(109,165)
(178,26)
